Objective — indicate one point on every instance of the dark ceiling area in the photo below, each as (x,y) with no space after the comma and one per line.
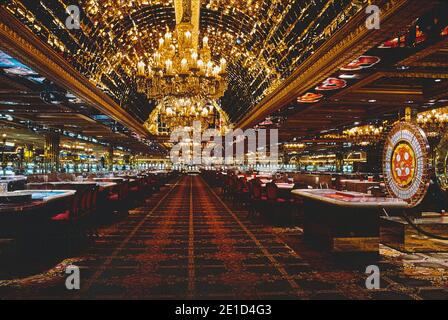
(264,41)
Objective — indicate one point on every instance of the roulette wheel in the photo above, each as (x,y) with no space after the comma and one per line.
(406,163)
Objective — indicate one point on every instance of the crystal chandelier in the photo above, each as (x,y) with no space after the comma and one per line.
(364,134)
(180,67)
(173,112)
(434,122)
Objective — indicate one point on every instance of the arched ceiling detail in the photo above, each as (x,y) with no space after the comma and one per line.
(262,40)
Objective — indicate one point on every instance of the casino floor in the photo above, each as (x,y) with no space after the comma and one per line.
(186,242)
(224,149)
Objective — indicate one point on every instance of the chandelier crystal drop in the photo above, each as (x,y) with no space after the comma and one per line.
(173,112)
(179,69)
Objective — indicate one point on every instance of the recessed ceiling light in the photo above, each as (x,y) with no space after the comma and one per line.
(438,80)
(349,76)
(372,100)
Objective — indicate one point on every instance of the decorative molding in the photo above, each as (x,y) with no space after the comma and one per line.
(414,59)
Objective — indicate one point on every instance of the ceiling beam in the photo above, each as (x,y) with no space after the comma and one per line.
(351,41)
(421,54)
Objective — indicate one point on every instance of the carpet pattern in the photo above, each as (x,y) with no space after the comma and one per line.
(187,243)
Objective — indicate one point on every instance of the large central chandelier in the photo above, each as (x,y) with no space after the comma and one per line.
(180,67)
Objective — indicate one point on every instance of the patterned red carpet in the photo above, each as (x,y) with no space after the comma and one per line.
(186,243)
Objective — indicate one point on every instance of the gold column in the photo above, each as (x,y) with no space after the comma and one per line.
(410,114)
(110,157)
(339,164)
(51,152)
(4,163)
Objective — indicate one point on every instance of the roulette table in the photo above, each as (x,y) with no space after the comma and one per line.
(350,221)
(30,210)
(344,221)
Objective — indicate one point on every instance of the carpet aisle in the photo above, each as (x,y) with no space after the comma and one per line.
(185,242)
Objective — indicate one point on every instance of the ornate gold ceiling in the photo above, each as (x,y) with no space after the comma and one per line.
(263,40)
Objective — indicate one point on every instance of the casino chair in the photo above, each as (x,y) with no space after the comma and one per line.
(135,191)
(81,217)
(116,199)
(224,186)
(279,210)
(229,187)
(217,180)
(151,185)
(297,203)
(89,214)
(155,184)
(234,188)
(241,192)
(63,225)
(257,199)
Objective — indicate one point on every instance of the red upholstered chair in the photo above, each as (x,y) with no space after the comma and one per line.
(92,214)
(135,188)
(257,189)
(272,193)
(241,194)
(72,209)
(80,217)
(117,199)
(278,208)
(229,186)
(257,199)
(250,188)
(64,225)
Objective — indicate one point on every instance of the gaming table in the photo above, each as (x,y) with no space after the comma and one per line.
(344,221)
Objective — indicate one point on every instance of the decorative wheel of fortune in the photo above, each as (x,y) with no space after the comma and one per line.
(406,163)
